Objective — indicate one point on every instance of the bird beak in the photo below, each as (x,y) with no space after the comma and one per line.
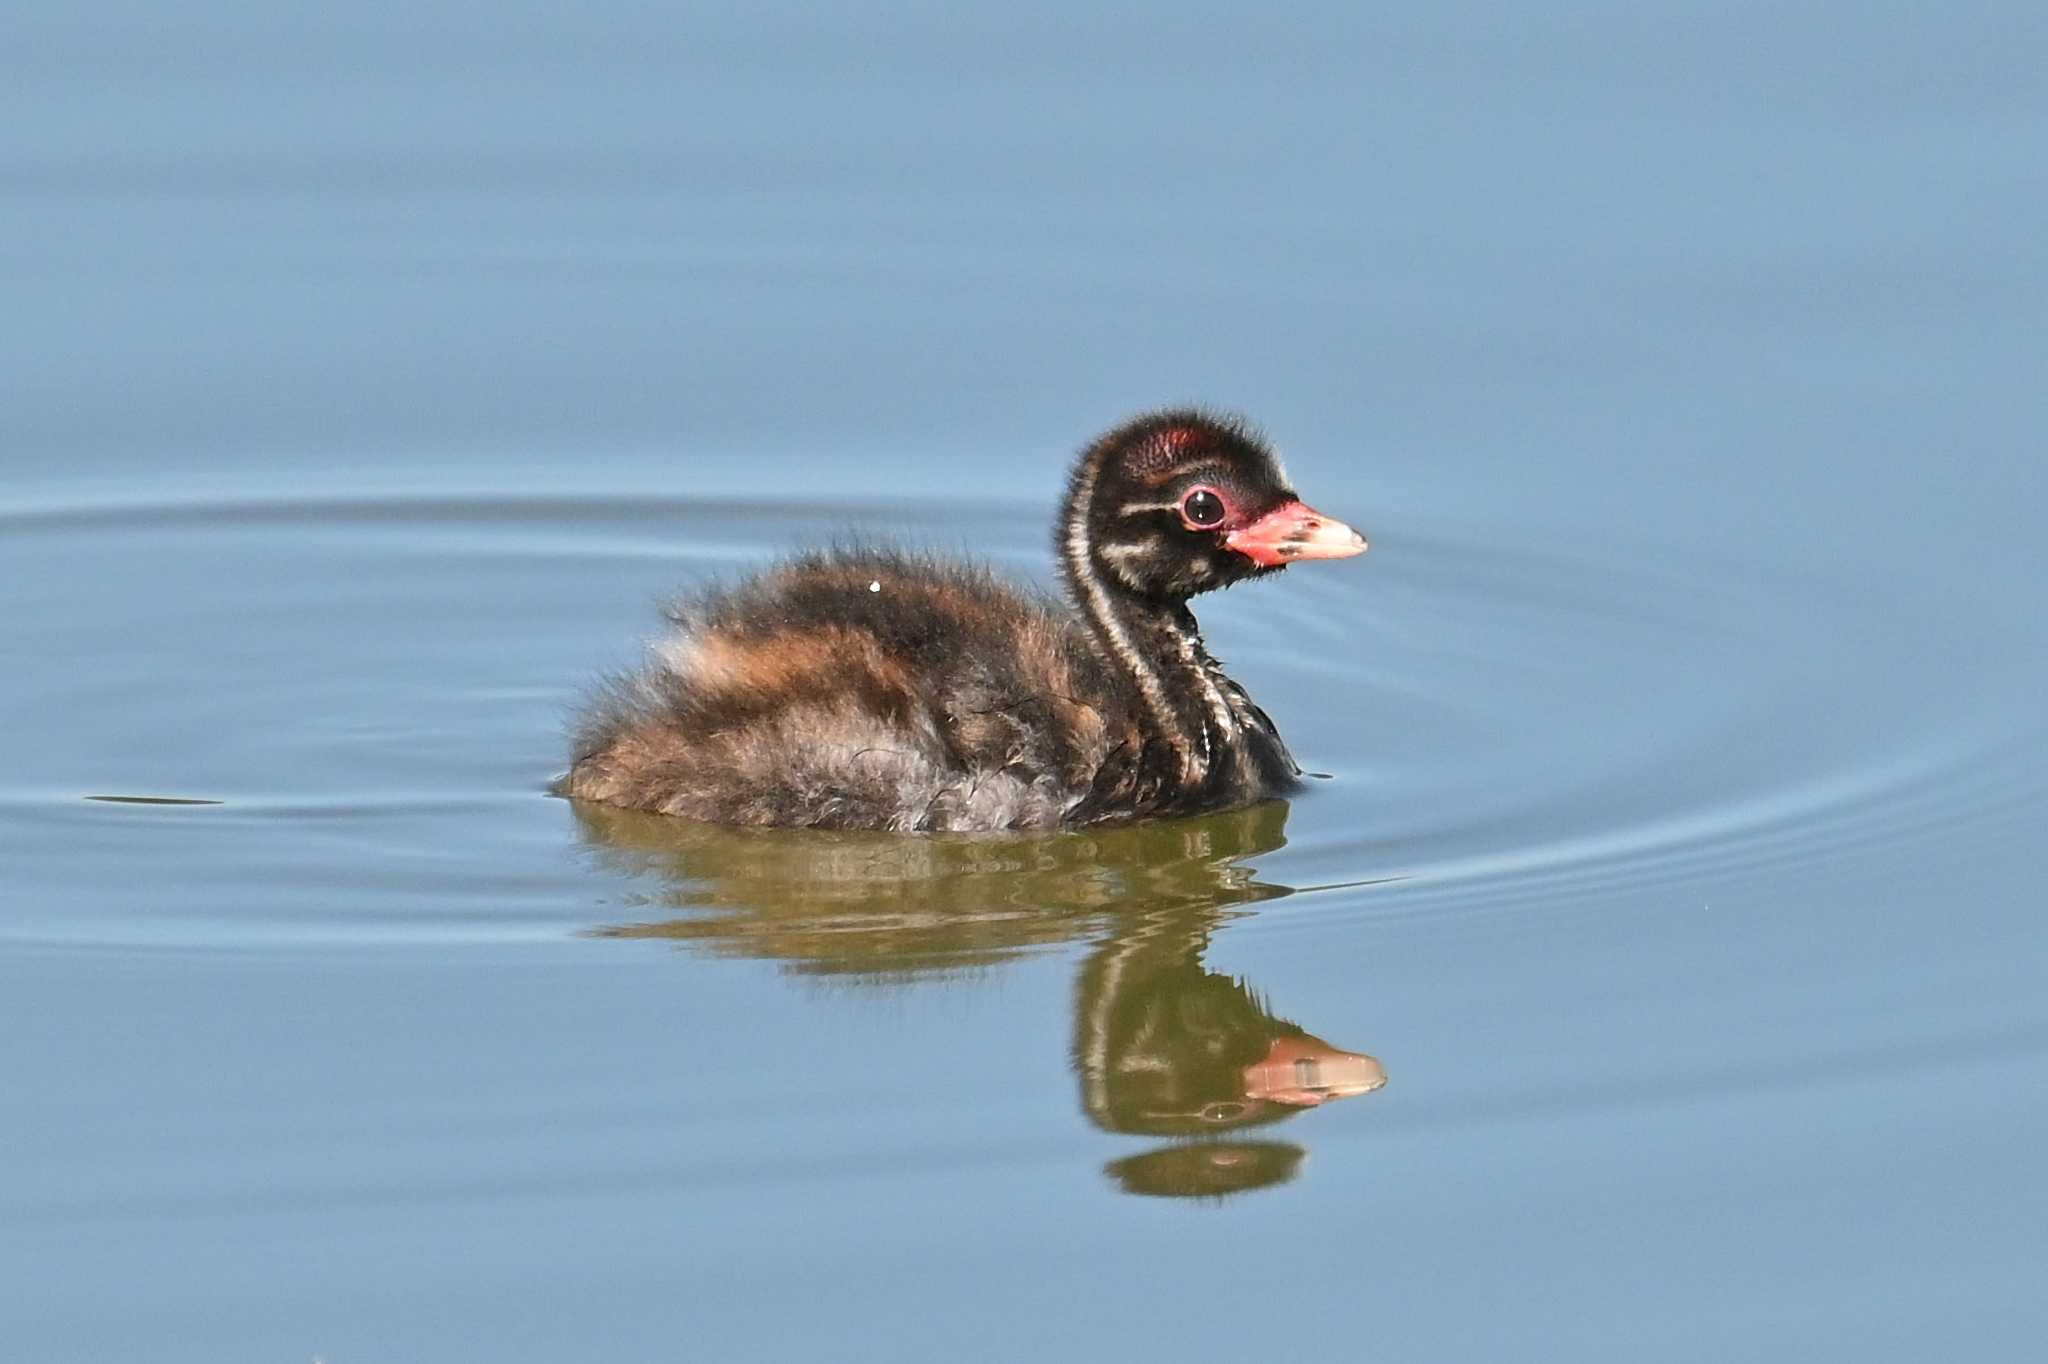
(1294,530)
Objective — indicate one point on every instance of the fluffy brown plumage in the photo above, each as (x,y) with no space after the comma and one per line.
(869,689)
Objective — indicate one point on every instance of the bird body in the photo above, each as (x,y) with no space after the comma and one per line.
(866,688)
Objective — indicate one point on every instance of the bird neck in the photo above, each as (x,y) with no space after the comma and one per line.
(1156,645)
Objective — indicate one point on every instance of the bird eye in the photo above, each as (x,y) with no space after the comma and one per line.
(1203,508)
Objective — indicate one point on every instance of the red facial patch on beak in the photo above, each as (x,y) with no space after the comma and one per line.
(1291,531)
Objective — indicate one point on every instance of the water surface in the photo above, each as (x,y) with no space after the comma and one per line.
(1656,973)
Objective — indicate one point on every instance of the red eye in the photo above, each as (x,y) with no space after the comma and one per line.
(1203,509)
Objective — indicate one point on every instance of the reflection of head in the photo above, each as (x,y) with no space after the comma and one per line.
(1206,1169)
(1166,1047)
(1164,1052)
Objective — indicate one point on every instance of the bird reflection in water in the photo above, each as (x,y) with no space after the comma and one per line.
(1162,1046)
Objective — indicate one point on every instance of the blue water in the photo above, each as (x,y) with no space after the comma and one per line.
(367,379)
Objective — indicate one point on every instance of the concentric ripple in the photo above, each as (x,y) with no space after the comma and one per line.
(370,689)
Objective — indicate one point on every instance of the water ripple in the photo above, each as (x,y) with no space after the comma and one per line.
(1515,716)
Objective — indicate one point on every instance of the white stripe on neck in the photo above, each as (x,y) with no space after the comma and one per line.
(1081,572)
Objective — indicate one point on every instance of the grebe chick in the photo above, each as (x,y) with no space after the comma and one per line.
(869,689)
